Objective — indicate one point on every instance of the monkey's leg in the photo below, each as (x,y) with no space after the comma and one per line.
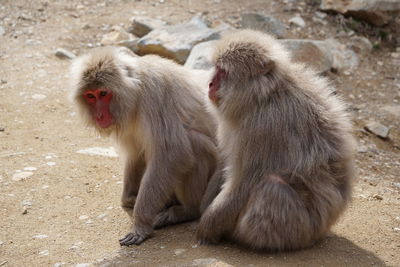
(155,190)
(175,214)
(134,170)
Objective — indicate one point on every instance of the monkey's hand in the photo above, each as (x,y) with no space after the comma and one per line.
(137,236)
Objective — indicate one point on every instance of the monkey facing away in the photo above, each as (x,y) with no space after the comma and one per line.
(155,110)
(287,147)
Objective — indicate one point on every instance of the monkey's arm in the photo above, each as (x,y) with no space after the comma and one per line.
(213,188)
(134,170)
(220,217)
(156,188)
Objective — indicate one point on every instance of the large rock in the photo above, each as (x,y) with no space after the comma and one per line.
(259,22)
(200,56)
(342,57)
(118,36)
(376,12)
(322,55)
(310,53)
(176,41)
(142,25)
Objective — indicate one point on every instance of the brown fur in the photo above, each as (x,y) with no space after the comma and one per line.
(161,123)
(287,146)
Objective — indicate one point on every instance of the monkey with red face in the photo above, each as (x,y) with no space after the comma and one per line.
(286,144)
(155,109)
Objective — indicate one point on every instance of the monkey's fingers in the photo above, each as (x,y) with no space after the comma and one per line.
(131,239)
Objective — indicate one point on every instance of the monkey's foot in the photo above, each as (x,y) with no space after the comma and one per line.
(206,238)
(133,238)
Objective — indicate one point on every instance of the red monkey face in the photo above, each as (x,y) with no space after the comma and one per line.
(99,103)
(215,85)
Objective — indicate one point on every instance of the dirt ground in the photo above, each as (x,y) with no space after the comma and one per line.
(68,210)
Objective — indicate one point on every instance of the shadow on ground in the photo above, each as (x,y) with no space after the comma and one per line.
(162,250)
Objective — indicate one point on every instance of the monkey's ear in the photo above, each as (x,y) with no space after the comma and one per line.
(266,66)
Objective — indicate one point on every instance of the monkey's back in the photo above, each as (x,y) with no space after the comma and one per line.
(302,135)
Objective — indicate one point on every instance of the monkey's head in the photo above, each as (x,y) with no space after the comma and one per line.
(103,91)
(242,60)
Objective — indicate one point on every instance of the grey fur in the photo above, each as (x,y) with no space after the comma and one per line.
(287,146)
(161,123)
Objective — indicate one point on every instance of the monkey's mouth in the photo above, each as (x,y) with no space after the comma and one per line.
(104,121)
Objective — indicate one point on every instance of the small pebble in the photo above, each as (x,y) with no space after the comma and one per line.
(51,163)
(45,186)
(82,265)
(83,217)
(59,264)
(396,229)
(395,55)
(26,202)
(40,236)
(377,197)
(38,96)
(30,168)
(44,253)
(298,21)
(21,176)
(179,251)
(100,216)
(377,129)
(63,53)
(362,149)
(320,15)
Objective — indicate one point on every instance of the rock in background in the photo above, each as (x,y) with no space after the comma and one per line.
(322,55)
(376,12)
(264,23)
(118,36)
(176,41)
(310,53)
(142,25)
(200,56)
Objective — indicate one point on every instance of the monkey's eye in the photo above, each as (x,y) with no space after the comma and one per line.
(89,95)
(103,93)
